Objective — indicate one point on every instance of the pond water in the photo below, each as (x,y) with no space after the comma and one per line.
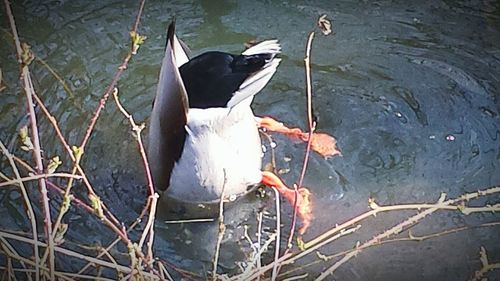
(410,89)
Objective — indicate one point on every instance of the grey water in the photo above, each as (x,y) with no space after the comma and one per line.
(410,89)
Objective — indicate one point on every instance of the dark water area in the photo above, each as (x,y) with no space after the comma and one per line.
(411,90)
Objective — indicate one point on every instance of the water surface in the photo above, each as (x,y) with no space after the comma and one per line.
(409,89)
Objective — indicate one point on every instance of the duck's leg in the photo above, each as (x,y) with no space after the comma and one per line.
(303,204)
(322,143)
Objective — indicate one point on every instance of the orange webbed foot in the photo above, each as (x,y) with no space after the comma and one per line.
(322,143)
(303,204)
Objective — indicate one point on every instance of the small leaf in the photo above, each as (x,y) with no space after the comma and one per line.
(484,257)
(137,41)
(321,256)
(27,55)
(373,205)
(96,203)
(300,243)
(54,163)
(61,231)
(324,25)
(77,152)
(2,86)
(23,133)
(66,203)
(25,139)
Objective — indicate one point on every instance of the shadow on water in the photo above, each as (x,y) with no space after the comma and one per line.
(410,90)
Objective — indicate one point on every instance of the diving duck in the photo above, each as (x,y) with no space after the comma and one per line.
(204,141)
(203,136)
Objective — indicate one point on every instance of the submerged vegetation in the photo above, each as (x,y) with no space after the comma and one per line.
(38,253)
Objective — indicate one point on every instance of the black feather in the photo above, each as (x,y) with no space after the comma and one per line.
(211,78)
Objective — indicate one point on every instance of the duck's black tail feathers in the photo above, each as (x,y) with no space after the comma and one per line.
(216,79)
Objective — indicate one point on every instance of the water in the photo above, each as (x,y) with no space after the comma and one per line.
(410,90)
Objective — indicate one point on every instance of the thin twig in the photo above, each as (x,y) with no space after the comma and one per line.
(374,212)
(399,227)
(342,233)
(150,224)
(76,159)
(111,221)
(222,230)
(485,266)
(163,270)
(245,275)
(54,186)
(326,237)
(138,17)
(307,63)
(114,81)
(154,196)
(29,208)
(188,221)
(278,231)
(112,244)
(7,247)
(310,121)
(102,103)
(137,130)
(259,241)
(29,90)
(61,274)
(57,76)
(37,177)
(71,253)
(298,277)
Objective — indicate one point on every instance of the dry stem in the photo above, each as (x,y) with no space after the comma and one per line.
(222,230)
(307,63)
(278,230)
(70,253)
(485,266)
(408,222)
(149,229)
(29,91)
(37,177)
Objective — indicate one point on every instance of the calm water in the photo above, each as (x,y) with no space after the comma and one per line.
(410,89)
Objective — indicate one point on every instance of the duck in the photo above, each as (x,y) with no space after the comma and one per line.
(204,141)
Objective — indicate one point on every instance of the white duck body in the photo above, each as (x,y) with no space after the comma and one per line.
(197,154)
(222,152)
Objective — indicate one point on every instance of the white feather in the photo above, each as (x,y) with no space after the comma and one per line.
(180,55)
(253,84)
(222,151)
(264,47)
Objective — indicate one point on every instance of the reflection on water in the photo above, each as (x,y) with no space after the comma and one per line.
(410,90)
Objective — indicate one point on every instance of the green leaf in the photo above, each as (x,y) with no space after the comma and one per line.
(25,139)
(27,55)
(301,244)
(77,152)
(61,230)
(96,203)
(54,163)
